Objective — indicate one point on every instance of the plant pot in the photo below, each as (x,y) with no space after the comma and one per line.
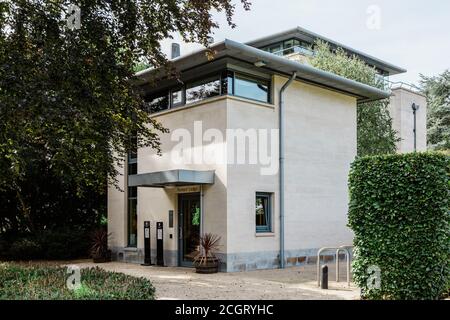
(211,265)
(102,258)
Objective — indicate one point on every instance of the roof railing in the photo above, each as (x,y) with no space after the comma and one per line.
(387,84)
(295,49)
(404,85)
(390,85)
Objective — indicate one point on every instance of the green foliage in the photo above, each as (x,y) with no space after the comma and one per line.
(68,104)
(25,249)
(59,244)
(399,212)
(66,243)
(141,66)
(437,91)
(340,63)
(50,204)
(22,282)
(374,123)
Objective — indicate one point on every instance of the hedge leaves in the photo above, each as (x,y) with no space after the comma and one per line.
(399,212)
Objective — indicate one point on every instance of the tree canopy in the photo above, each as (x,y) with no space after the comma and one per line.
(67,103)
(437,91)
(375,134)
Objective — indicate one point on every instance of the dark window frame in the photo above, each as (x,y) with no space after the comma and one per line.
(156,95)
(225,88)
(132,191)
(183,97)
(132,153)
(132,196)
(202,81)
(285,45)
(256,78)
(268,213)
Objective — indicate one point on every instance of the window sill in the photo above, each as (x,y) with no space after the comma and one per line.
(131,249)
(264,234)
(251,101)
(209,100)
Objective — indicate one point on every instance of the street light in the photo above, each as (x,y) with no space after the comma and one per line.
(415,108)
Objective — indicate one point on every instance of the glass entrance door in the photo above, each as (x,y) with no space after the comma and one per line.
(188,228)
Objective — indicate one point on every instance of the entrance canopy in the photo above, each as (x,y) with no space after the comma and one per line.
(171,178)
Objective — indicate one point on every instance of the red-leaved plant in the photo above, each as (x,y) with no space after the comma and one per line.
(99,247)
(209,244)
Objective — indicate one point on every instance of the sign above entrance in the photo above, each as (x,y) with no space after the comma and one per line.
(188,189)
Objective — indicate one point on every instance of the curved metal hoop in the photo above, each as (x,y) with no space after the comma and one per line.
(346,249)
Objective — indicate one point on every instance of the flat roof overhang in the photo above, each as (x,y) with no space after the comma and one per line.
(273,64)
(309,36)
(307,73)
(171,178)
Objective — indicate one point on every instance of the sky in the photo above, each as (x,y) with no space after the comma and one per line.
(412,34)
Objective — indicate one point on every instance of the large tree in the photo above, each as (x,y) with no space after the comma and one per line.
(375,134)
(437,91)
(67,103)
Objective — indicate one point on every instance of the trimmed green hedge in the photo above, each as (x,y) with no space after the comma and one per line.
(40,282)
(399,212)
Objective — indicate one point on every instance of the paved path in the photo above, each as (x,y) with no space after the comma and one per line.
(183,283)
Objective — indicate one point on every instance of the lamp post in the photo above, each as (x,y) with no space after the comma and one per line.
(415,108)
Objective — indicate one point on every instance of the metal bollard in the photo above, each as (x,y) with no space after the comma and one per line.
(324,277)
(159,244)
(147,255)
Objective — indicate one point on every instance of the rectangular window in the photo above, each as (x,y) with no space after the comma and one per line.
(223,83)
(132,216)
(158,102)
(132,168)
(263,210)
(276,48)
(132,195)
(288,47)
(203,89)
(230,83)
(177,98)
(227,82)
(132,154)
(251,88)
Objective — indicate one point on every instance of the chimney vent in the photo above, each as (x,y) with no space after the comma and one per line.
(175,51)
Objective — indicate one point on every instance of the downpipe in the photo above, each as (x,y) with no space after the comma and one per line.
(281,164)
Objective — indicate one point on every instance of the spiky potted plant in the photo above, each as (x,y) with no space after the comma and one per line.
(99,248)
(206,261)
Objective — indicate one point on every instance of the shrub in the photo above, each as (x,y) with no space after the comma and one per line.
(64,243)
(399,212)
(49,283)
(4,247)
(25,249)
(99,246)
(58,244)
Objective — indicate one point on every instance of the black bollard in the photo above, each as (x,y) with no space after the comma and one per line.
(159,244)
(147,256)
(324,277)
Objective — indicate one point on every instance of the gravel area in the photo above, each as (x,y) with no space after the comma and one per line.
(297,283)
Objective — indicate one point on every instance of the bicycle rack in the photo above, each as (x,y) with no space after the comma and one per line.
(346,249)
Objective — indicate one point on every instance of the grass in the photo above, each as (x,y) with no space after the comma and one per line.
(44,282)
